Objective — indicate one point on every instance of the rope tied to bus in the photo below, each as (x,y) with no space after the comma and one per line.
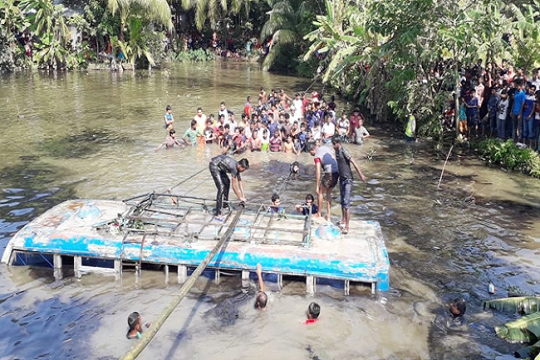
(149,335)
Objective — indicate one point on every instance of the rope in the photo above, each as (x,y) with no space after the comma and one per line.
(188,178)
(149,335)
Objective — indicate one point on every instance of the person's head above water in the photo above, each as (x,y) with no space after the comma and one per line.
(313,311)
(172,132)
(261,300)
(457,307)
(168,108)
(134,322)
(243,165)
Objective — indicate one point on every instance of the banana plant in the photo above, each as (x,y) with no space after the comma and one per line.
(524,329)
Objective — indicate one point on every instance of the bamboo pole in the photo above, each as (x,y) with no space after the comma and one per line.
(444,166)
(149,335)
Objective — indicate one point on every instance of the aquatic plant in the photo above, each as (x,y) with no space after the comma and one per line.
(195,55)
(524,329)
(510,156)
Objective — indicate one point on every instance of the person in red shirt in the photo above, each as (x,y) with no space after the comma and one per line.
(354,122)
(312,313)
(247,107)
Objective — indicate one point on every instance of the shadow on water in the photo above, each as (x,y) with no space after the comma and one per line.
(84,144)
(28,190)
(459,240)
(29,321)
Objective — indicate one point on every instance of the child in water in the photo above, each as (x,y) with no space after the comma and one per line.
(312,313)
(135,326)
(308,207)
(169,119)
(170,141)
(275,208)
(261,299)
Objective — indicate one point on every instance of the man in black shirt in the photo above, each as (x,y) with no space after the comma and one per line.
(220,166)
(344,160)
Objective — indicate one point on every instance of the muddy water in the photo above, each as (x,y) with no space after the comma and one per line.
(92,135)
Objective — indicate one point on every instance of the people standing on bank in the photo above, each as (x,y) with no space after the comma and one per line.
(344,161)
(326,174)
(220,166)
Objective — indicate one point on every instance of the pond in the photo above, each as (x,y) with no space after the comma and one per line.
(93,135)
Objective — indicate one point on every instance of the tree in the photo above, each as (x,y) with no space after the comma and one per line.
(12,21)
(213,10)
(287,23)
(138,16)
(49,25)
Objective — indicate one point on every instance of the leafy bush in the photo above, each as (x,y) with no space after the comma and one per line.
(195,55)
(510,156)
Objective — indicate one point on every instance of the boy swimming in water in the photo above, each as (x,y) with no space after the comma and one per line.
(170,141)
(135,326)
(312,313)
(262,299)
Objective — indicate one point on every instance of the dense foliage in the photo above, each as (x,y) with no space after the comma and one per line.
(392,57)
(510,156)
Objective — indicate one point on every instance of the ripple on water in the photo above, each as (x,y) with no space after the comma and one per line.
(13,227)
(12,190)
(20,212)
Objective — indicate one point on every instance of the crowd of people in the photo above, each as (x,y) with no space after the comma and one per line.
(278,123)
(275,123)
(500,101)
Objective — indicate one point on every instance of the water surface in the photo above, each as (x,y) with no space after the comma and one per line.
(92,135)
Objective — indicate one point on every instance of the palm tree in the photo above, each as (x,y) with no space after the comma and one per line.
(136,16)
(214,10)
(287,22)
(49,25)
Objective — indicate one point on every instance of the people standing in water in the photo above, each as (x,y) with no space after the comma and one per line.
(169,119)
(410,130)
(326,174)
(191,134)
(344,161)
(308,207)
(220,166)
(170,141)
(200,118)
(275,208)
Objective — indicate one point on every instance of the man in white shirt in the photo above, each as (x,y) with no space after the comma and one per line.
(328,129)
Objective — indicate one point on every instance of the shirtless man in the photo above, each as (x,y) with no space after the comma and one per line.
(255,142)
(288,146)
(170,141)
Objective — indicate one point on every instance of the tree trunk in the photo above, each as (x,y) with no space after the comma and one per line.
(456,87)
